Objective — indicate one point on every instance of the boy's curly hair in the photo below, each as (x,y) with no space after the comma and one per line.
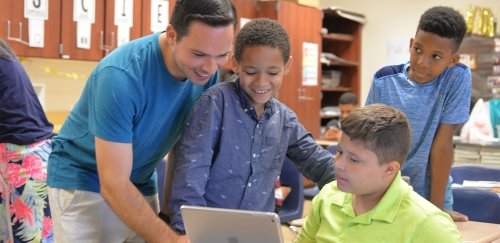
(262,32)
(445,22)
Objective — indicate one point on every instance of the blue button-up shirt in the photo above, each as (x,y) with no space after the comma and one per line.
(230,158)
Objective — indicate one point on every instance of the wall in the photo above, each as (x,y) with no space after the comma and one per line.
(63,79)
(394,20)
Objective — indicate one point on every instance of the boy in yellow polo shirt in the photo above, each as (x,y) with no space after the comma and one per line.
(369,202)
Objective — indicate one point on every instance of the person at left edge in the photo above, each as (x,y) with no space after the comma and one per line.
(132,110)
(25,138)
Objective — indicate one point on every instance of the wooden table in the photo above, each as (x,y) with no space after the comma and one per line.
(479,232)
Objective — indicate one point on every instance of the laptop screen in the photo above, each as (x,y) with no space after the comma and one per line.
(219,225)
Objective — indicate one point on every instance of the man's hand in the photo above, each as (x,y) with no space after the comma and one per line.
(456,216)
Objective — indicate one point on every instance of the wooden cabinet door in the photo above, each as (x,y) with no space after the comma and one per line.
(69,28)
(112,37)
(13,21)
(304,99)
(156,16)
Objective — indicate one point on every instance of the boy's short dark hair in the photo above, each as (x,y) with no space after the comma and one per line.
(445,22)
(383,129)
(262,32)
(348,98)
(211,12)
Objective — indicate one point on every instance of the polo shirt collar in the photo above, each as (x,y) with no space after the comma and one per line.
(386,210)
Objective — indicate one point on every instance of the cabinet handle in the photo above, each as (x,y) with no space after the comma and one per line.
(16,39)
(105,47)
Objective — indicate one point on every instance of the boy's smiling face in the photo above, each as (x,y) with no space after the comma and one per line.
(358,171)
(430,55)
(261,72)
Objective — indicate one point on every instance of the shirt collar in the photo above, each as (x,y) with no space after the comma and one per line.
(386,209)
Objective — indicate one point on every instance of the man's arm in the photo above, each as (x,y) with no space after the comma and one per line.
(114,166)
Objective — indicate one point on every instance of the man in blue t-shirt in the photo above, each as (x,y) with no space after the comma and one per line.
(434,90)
(132,110)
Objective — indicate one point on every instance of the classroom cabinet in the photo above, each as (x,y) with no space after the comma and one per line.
(14,27)
(94,35)
(340,58)
(300,89)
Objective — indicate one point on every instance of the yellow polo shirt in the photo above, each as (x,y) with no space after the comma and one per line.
(401,216)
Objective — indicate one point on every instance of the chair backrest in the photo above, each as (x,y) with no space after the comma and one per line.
(478,204)
(294,202)
(474,173)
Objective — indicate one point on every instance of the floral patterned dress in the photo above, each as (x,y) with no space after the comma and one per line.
(24,207)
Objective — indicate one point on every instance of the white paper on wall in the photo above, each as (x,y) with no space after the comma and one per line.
(84,16)
(83,35)
(310,64)
(36,31)
(124,16)
(36,11)
(123,34)
(398,51)
(159,15)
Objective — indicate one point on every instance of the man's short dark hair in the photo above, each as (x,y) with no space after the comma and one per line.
(262,32)
(445,22)
(348,98)
(211,12)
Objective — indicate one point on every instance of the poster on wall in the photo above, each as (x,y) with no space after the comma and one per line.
(310,64)
(398,51)
(36,12)
(159,15)
(84,16)
(124,20)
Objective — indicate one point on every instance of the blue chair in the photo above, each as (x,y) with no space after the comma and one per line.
(294,203)
(474,173)
(478,204)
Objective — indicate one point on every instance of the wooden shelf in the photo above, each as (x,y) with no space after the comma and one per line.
(341,52)
(338,37)
(336,89)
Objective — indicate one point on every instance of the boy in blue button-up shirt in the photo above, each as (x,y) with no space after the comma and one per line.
(238,134)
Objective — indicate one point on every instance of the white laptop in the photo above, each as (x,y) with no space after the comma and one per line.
(219,225)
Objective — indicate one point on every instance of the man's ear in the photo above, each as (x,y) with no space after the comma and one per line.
(171,35)
(411,44)
(288,65)
(392,168)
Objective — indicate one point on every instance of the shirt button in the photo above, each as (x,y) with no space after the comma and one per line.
(246,110)
(254,155)
(249,184)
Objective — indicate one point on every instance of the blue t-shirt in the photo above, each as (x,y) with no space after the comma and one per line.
(444,100)
(22,119)
(130,97)
(227,157)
